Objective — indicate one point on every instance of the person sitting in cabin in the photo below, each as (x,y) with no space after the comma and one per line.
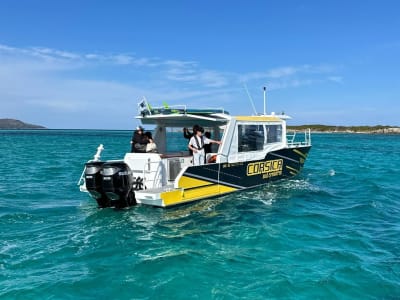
(151,145)
(139,141)
(196,144)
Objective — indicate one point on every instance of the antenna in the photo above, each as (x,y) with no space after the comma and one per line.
(251,99)
(265,103)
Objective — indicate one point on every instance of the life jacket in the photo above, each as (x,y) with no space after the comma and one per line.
(200,145)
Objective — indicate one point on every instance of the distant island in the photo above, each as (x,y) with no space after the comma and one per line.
(378,129)
(17,124)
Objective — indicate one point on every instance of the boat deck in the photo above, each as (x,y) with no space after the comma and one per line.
(152,196)
(158,190)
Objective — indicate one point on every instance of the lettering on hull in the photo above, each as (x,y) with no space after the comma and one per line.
(267,169)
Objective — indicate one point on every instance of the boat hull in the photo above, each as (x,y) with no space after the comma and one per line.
(211,180)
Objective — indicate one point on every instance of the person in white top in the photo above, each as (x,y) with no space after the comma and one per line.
(196,144)
(151,145)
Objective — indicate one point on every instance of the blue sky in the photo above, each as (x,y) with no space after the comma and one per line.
(86,64)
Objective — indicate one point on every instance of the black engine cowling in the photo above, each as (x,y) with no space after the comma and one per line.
(94,180)
(117,181)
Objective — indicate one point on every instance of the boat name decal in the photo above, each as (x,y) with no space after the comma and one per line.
(268,168)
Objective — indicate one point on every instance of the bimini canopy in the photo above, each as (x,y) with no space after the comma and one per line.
(177,116)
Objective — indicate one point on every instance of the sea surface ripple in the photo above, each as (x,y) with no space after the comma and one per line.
(332,232)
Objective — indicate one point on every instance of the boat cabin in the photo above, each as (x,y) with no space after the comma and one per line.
(244,138)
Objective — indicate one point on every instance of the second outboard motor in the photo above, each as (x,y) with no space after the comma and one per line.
(117,184)
(93,181)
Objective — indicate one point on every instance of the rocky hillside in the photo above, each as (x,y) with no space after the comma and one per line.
(17,124)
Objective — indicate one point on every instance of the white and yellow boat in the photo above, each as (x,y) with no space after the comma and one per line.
(255,150)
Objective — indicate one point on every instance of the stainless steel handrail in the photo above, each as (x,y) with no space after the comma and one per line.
(291,139)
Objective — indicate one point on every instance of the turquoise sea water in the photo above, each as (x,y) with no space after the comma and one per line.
(331,233)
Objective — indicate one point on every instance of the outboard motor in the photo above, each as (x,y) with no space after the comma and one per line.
(117,181)
(93,181)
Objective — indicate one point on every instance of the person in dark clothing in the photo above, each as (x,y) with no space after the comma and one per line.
(139,141)
(187,134)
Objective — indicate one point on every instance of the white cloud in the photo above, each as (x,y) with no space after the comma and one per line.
(282,72)
(39,80)
(287,71)
(180,64)
(193,75)
(213,79)
(338,79)
(52,53)
(181,74)
(6,48)
(122,59)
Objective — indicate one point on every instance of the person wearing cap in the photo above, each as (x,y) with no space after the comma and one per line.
(196,144)
(139,140)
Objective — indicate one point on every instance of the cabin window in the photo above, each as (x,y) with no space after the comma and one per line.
(250,138)
(274,133)
(175,141)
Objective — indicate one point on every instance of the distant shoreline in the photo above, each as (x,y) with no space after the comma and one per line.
(378,129)
(12,124)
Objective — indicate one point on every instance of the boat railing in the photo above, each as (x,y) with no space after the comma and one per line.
(151,174)
(294,138)
(146,109)
(81,182)
(182,108)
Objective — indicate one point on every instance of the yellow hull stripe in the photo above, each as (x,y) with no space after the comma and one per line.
(292,169)
(188,182)
(179,196)
(300,153)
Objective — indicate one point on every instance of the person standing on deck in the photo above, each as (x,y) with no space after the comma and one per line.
(196,144)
